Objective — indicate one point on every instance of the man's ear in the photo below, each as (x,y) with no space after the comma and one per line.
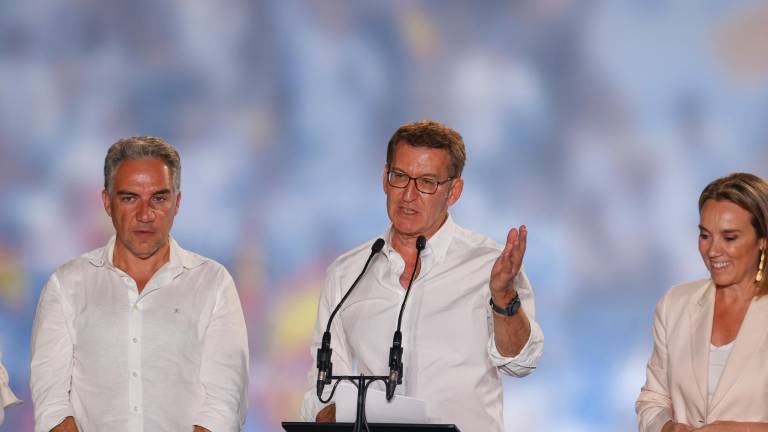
(384,179)
(106,201)
(178,202)
(455,193)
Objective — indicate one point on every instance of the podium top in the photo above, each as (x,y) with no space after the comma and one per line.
(375,427)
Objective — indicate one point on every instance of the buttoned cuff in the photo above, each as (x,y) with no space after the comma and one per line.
(215,424)
(661,418)
(526,360)
(51,419)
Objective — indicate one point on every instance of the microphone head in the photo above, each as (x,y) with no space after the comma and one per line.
(320,385)
(377,245)
(391,384)
(421,242)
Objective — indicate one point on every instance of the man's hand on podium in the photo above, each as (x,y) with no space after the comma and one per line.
(67,425)
(327,414)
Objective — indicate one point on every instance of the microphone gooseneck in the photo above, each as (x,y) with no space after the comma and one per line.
(396,351)
(324,365)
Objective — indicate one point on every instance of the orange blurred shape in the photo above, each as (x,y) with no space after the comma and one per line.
(741,45)
(11,279)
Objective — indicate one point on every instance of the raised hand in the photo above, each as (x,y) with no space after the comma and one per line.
(507,266)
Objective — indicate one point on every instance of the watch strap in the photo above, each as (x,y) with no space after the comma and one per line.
(510,309)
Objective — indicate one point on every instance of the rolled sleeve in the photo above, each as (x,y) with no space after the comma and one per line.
(526,360)
(224,364)
(52,358)
(7,398)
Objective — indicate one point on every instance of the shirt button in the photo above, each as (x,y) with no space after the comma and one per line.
(135,409)
(135,340)
(135,374)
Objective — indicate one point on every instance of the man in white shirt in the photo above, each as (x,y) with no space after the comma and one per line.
(140,335)
(455,341)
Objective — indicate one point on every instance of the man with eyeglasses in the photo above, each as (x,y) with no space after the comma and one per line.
(470,315)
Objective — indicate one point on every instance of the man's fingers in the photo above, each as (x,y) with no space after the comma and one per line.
(512,237)
(522,241)
(515,248)
(512,240)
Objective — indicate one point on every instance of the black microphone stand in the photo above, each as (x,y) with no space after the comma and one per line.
(396,351)
(363,381)
(325,367)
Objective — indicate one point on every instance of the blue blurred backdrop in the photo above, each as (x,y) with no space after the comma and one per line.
(596,123)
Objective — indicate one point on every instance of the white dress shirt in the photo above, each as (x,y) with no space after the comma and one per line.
(449,352)
(174,356)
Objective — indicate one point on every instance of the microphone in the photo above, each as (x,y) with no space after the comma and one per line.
(324,365)
(396,351)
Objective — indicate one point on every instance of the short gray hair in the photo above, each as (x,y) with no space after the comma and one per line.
(142,147)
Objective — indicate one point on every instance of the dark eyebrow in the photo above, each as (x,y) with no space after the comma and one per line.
(126,193)
(163,192)
(398,170)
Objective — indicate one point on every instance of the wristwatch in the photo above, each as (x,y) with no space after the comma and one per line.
(511,308)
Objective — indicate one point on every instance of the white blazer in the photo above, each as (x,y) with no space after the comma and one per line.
(678,371)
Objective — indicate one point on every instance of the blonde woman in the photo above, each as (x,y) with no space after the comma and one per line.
(709,367)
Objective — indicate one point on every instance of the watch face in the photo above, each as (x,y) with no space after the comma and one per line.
(514,306)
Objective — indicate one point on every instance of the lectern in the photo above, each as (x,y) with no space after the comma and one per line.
(374,427)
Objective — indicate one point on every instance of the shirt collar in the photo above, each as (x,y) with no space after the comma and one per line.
(437,245)
(179,258)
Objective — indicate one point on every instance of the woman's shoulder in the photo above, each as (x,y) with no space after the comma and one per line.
(686,292)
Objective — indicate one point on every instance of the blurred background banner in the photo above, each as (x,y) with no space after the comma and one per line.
(596,123)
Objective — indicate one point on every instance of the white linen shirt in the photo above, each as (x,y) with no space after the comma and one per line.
(174,356)
(449,352)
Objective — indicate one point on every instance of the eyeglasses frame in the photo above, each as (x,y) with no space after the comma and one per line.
(415,181)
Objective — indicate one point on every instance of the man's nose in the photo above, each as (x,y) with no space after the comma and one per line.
(145,213)
(411,192)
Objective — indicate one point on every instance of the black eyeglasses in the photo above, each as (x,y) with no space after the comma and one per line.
(427,185)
